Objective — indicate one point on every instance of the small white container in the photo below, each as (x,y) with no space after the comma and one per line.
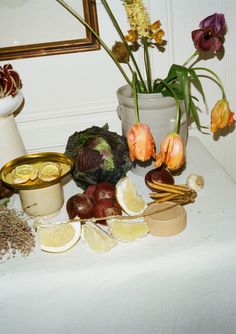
(43,202)
(39,198)
(165,219)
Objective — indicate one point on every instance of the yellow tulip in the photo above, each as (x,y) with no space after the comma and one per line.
(221,115)
(172,152)
(141,143)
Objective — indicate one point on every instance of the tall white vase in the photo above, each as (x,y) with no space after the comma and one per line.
(11,143)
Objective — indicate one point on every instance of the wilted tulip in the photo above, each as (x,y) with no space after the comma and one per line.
(221,115)
(210,35)
(172,152)
(141,143)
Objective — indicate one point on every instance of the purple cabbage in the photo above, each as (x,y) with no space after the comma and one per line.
(99,156)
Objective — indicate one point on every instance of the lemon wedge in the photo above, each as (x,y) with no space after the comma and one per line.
(49,171)
(59,238)
(128,198)
(128,231)
(24,173)
(96,238)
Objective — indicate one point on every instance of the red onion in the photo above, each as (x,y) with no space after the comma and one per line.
(160,174)
(90,191)
(106,207)
(80,206)
(104,190)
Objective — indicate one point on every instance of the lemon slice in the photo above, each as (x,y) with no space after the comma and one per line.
(49,171)
(128,231)
(96,238)
(24,173)
(128,198)
(59,238)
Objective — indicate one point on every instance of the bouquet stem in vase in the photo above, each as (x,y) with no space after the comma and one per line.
(158,112)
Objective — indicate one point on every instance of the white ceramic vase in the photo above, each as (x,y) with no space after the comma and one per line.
(158,112)
(11,144)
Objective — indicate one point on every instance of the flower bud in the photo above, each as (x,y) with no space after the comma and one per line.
(141,143)
(221,115)
(120,52)
(172,152)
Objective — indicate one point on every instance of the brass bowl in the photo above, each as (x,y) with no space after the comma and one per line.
(39,198)
(66,164)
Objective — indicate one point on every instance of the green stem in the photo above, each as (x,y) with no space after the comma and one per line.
(134,89)
(76,14)
(147,65)
(215,75)
(196,53)
(117,27)
(177,120)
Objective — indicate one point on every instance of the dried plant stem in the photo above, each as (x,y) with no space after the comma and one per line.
(180,194)
(119,217)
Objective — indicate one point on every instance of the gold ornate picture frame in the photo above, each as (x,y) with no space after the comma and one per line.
(34,28)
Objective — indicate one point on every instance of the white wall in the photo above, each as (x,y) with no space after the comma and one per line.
(67,93)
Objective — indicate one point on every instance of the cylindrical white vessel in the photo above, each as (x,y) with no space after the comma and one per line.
(11,143)
(43,202)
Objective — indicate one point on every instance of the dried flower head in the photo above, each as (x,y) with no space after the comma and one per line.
(120,52)
(138,17)
(10,81)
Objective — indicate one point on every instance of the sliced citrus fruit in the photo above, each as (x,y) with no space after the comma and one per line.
(59,238)
(24,173)
(96,238)
(128,198)
(128,231)
(49,171)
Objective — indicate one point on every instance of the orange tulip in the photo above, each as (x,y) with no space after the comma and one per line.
(172,152)
(221,115)
(141,143)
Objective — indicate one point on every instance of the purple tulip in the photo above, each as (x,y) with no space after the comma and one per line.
(210,36)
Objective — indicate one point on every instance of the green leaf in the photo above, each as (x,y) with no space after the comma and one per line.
(194,113)
(196,82)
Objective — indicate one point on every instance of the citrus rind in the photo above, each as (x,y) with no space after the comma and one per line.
(60,237)
(49,171)
(128,198)
(128,231)
(96,238)
(24,173)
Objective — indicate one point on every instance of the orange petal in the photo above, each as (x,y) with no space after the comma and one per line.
(172,152)
(221,115)
(141,143)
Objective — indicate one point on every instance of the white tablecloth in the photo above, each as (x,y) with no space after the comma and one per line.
(183,284)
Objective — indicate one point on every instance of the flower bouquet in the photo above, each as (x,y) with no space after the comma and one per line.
(142,36)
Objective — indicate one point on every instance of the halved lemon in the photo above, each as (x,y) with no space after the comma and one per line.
(49,171)
(128,231)
(128,198)
(96,238)
(59,238)
(24,173)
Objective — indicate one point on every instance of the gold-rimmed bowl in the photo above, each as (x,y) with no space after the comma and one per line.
(38,197)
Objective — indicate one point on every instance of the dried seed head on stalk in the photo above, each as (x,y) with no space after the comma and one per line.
(16,235)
